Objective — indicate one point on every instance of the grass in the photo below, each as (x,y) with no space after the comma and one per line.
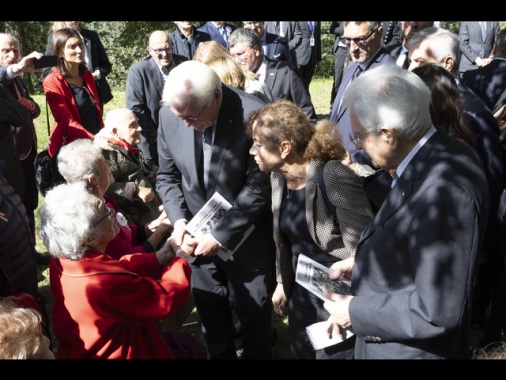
(320,93)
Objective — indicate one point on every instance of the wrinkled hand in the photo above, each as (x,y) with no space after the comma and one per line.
(146,194)
(166,253)
(26,64)
(279,301)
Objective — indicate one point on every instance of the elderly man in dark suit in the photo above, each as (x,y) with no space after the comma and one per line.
(283,78)
(440,46)
(144,88)
(24,137)
(366,52)
(415,264)
(203,149)
(273,46)
(489,81)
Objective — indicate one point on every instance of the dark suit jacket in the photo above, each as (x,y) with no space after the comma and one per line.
(341,116)
(285,82)
(99,60)
(488,147)
(181,44)
(214,34)
(144,88)
(472,44)
(291,31)
(11,114)
(233,173)
(415,264)
(277,48)
(488,82)
(392,33)
(25,137)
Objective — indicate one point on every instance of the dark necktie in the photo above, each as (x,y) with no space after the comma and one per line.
(357,72)
(405,65)
(207,148)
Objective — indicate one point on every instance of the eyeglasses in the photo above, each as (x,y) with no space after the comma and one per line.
(166,50)
(94,225)
(359,41)
(358,139)
(191,118)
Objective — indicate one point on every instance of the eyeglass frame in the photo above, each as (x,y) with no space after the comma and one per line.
(358,140)
(359,41)
(168,50)
(191,118)
(108,213)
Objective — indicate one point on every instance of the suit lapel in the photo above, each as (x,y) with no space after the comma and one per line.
(156,75)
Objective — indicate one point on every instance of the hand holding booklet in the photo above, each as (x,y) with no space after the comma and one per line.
(315,277)
(210,214)
(317,333)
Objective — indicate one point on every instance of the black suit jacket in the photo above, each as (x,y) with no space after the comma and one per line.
(488,82)
(276,48)
(99,60)
(285,82)
(184,47)
(144,89)
(233,173)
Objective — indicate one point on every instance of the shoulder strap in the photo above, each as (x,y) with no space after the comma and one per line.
(323,189)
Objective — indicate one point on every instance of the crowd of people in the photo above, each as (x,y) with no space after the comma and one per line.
(223,109)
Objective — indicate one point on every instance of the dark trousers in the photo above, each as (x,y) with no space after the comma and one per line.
(341,57)
(252,304)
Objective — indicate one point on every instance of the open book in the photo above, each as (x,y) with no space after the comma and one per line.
(315,278)
(211,213)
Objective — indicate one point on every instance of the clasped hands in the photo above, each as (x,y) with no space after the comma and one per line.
(204,245)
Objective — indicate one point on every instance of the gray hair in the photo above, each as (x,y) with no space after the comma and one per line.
(190,83)
(117,118)
(389,96)
(77,161)
(66,218)
(443,43)
(244,35)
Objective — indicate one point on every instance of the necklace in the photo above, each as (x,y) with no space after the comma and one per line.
(288,193)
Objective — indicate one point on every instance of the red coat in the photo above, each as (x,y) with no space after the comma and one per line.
(109,309)
(64,108)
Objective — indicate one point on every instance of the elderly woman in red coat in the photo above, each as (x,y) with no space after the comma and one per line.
(106,308)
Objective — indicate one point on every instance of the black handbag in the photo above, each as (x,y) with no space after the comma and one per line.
(47,174)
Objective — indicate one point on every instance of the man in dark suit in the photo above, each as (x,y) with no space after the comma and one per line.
(440,46)
(364,43)
(315,50)
(341,57)
(489,81)
(144,88)
(96,59)
(415,264)
(218,31)
(293,34)
(283,78)
(195,102)
(186,38)
(24,137)
(273,46)
(476,42)
(399,50)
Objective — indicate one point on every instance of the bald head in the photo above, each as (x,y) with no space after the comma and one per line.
(9,50)
(160,48)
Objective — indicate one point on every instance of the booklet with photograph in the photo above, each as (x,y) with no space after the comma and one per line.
(319,338)
(210,214)
(315,278)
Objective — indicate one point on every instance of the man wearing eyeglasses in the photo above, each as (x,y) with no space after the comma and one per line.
(363,39)
(144,90)
(195,102)
(399,51)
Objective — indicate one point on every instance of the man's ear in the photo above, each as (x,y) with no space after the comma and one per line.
(448,63)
